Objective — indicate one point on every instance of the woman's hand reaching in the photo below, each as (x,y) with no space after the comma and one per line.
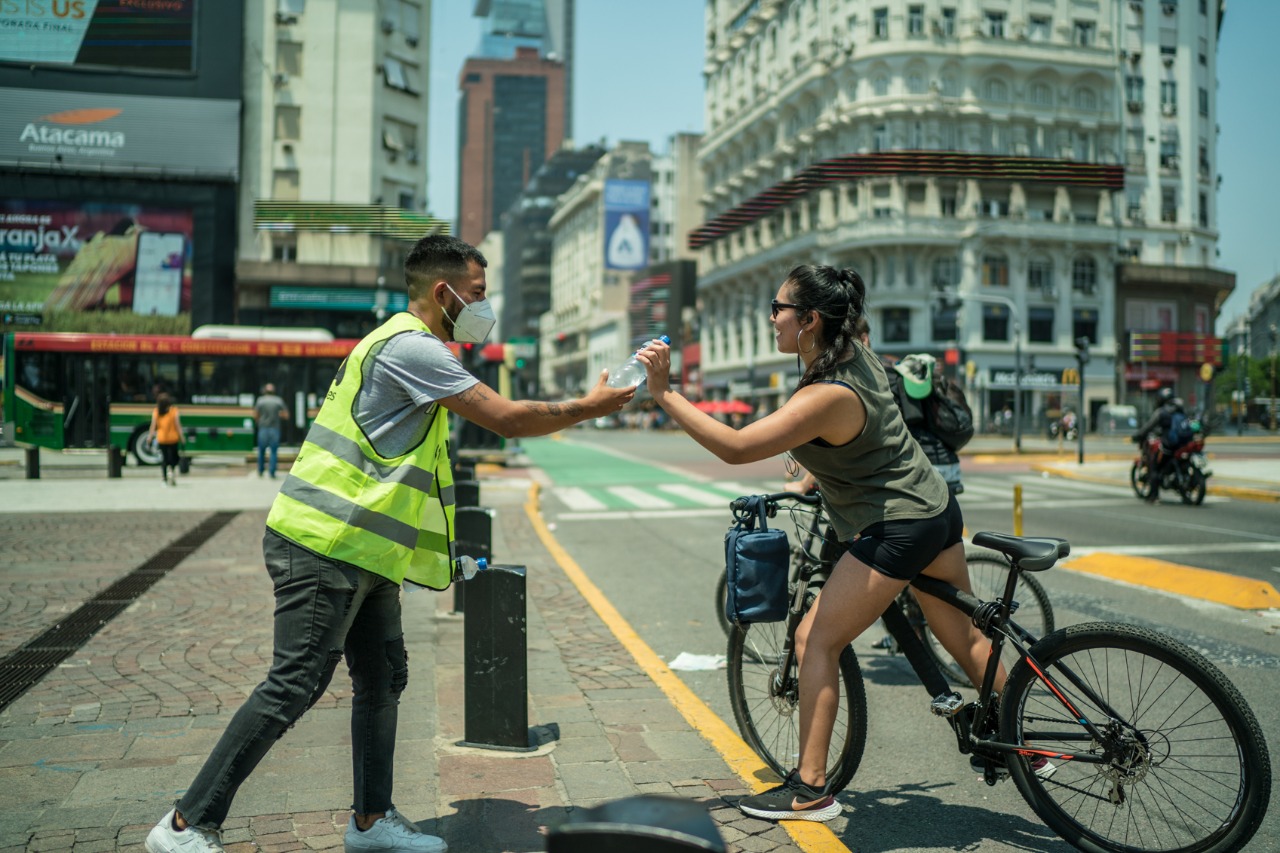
(657,362)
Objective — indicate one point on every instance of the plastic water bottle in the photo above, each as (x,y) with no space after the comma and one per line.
(465,568)
(630,372)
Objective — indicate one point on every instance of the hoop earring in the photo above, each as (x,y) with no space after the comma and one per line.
(811,346)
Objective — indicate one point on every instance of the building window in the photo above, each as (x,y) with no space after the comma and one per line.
(995,270)
(949,21)
(1204,102)
(1168,154)
(1204,51)
(993,24)
(1169,97)
(399,137)
(1040,275)
(284,185)
(1084,324)
(1204,210)
(895,325)
(284,248)
(946,273)
(1205,169)
(880,23)
(401,75)
(1168,204)
(997,90)
(291,7)
(288,123)
(289,58)
(915,21)
(1086,99)
(995,323)
(1083,33)
(880,86)
(1040,324)
(944,325)
(880,138)
(1133,87)
(1084,275)
(1042,94)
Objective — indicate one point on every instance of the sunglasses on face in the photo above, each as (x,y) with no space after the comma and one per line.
(775,306)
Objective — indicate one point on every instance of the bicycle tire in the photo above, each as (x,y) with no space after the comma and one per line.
(988,573)
(1197,767)
(767,713)
(722,599)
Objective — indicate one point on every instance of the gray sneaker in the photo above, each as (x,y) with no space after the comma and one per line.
(393,833)
(167,838)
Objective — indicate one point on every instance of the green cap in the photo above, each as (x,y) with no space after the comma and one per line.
(917,375)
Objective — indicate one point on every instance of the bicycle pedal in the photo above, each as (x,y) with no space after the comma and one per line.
(946,704)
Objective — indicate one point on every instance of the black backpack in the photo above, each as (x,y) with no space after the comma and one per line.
(947,413)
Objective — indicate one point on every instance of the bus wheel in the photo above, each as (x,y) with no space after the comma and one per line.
(145,450)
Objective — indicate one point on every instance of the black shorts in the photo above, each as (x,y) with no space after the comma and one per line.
(902,549)
(169,454)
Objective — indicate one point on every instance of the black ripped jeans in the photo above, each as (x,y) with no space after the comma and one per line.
(324,609)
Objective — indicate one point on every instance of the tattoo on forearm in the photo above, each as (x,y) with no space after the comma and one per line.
(474,394)
(553,410)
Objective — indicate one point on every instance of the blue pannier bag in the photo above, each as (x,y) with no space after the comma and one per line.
(756,559)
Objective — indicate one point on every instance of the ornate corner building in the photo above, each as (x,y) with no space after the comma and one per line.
(1006,175)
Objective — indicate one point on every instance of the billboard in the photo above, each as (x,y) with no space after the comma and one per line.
(149,35)
(120,133)
(95,267)
(626,224)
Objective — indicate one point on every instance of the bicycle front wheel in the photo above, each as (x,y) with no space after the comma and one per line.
(767,707)
(1185,763)
(988,573)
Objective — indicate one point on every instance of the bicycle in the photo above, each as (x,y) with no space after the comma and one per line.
(988,571)
(1149,746)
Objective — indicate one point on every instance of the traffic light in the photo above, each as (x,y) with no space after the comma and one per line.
(1082,350)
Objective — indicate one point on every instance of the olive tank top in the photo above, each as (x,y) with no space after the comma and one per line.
(883,473)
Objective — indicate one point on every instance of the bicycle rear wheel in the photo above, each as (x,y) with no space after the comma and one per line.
(1187,766)
(767,710)
(988,572)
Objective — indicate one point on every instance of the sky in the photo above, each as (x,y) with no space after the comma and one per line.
(638,76)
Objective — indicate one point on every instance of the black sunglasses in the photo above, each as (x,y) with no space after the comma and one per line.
(775,306)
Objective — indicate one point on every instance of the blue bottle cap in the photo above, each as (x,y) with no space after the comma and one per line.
(482,564)
(665,339)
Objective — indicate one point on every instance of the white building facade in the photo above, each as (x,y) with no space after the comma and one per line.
(334,150)
(985,151)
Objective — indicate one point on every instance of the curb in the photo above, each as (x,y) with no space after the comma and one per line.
(1243,493)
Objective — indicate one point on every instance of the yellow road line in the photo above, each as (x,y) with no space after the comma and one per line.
(808,836)
(1232,590)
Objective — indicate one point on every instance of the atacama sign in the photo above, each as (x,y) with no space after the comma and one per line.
(124,133)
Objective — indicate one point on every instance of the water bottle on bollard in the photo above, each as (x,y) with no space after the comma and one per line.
(465,568)
(630,372)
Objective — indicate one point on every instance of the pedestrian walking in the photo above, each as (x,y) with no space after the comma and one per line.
(268,411)
(889,506)
(368,506)
(166,432)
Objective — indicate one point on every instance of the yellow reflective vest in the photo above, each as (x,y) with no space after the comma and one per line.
(389,515)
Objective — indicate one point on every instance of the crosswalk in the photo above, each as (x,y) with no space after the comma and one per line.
(588,503)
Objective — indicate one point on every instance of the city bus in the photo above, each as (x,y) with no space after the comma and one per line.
(66,390)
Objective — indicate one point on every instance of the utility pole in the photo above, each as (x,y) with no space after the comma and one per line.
(1273,407)
(1082,358)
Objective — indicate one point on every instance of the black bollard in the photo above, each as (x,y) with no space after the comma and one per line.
(464,471)
(115,461)
(473,537)
(495,661)
(466,493)
(33,463)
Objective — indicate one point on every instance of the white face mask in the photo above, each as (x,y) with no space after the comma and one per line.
(474,322)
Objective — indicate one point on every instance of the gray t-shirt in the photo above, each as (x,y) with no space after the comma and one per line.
(403,379)
(268,409)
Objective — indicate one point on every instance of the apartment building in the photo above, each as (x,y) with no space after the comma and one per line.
(981,163)
(333,188)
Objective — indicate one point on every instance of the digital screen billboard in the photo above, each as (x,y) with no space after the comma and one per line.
(95,267)
(626,224)
(153,35)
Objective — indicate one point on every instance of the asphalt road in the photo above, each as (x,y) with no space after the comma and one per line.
(658,566)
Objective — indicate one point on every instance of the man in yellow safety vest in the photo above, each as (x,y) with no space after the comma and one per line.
(367,506)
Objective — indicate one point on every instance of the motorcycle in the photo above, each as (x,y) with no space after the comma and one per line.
(1185,470)
(1064,426)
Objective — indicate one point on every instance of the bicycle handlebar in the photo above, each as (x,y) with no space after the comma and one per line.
(808,499)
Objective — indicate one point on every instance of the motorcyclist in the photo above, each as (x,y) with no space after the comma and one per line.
(1159,423)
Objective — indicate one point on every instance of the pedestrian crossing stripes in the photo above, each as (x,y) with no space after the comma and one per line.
(582,503)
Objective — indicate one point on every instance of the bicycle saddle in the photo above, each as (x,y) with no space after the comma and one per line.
(1033,554)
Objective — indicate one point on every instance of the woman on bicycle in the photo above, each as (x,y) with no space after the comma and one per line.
(885,500)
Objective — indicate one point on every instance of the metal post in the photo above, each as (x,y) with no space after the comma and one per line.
(1273,406)
(1081,423)
(1240,387)
(495,661)
(1017,386)
(473,529)
(33,463)
(115,461)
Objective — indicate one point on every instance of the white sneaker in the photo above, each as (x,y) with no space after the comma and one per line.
(166,838)
(392,833)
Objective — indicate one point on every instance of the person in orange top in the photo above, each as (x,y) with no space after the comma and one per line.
(166,431)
